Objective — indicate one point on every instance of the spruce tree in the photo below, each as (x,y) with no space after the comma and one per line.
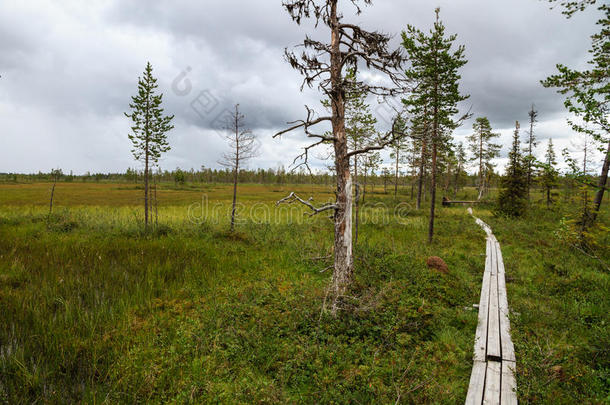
(434,67)
(549,172)
(512,200)
(149,129)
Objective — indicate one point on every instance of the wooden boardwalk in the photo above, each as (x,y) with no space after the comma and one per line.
(492,380)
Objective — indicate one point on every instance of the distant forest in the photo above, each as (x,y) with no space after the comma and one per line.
(407,183)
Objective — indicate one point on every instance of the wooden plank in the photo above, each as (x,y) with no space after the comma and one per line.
(493,327)
(492,383)
(500,259)
(480,339)
(508,349)
(483,225)
(477,383)
(508,394)
(488,262)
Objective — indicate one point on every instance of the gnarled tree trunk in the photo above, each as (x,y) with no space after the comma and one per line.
(344,262)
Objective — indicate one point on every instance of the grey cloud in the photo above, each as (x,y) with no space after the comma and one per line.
(71,70)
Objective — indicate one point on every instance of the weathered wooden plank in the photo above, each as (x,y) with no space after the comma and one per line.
(492,383)
(483,225)
(508,349)
(477,383)
(508,394)
(488,262)
(500,259)
(480,339)
(493,324)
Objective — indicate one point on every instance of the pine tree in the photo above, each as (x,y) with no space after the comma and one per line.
(549,172)
(512,200)
(483,149)
(434,67)
(324,63)
(149,129)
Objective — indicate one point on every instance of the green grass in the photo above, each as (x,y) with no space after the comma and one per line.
(94,309)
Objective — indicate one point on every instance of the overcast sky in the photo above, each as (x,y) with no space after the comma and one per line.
(70,67)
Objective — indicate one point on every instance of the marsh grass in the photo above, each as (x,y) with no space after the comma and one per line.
(96,309)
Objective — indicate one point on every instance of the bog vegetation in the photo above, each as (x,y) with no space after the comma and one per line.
(97,309)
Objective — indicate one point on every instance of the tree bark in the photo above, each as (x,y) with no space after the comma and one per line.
(146,195)
(457,180)
(364,186)
(480,165)
(344,265)
(357,213)
(434,153)
(396,172)
(156,201)
(432,194)
(422,167)
(435,140)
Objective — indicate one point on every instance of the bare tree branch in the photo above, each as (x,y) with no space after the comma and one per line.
(389,138)
(292,197)
(309,122)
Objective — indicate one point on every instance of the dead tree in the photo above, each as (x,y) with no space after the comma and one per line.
(325,64)
(55,175)
(243,147)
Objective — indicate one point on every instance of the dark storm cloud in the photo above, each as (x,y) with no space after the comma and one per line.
(69,69)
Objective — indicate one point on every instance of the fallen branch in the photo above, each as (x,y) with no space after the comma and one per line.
(327,268)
